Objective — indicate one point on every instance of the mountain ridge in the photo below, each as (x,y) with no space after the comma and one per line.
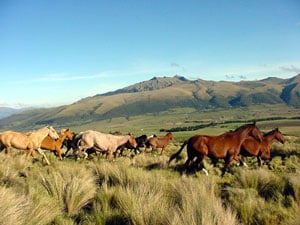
(162,94)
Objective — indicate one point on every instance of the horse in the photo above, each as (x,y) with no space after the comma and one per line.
(102,142)
(27,141)
(55,145)
(159,142)
(225,146)
(262,150)
(141,140)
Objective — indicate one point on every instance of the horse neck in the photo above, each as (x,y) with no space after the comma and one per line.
(61,138)
(270,137)
(242,133)
(167,138)
(122,139)
(40,134)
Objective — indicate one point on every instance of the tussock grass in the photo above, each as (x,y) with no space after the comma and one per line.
(262,197)
(197,203)
(73,188)
(143,190)
(142,196)
(13,207)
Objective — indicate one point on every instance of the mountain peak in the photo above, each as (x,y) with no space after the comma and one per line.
(154,83)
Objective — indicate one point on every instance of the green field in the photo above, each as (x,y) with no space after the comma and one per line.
(143,189)
(267,116)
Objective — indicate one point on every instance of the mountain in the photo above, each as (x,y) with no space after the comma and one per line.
(161,94)
(7,111)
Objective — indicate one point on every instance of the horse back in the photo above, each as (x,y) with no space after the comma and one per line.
(158,141)
(15,139)
(99,140)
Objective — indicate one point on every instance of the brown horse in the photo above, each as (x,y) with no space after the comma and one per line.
(159,142)
(262,150)
(225,146)
(27,141)
(55,145)
(101,142)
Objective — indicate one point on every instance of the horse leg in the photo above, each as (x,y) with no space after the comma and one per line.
(137,151)
(187,165)
(29,152)
(240,160)
(58,151)
(200,164)
(7,150)
(226,167)
(162,149)
(43,154)
(258,161)
(109,154)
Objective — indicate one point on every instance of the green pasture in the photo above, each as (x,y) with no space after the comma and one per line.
(267,116)
(143,189)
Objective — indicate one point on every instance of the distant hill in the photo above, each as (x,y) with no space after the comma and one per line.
(162,94)
(7,111)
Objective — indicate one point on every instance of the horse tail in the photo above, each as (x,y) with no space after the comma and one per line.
(176,154)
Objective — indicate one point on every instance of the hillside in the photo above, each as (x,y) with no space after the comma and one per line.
(7,111)
(158,95)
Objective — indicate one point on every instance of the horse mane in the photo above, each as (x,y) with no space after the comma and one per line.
(270,132)
(243,127)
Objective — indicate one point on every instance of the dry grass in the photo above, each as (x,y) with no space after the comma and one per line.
(144,190)
(13,207)
(73,188)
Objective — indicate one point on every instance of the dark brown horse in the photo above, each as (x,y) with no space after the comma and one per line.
(159,142)
(225,146)
(262,150)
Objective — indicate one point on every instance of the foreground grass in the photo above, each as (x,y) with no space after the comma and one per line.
(144,190)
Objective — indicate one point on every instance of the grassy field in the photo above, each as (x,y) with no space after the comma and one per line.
(143,189)
(184,117)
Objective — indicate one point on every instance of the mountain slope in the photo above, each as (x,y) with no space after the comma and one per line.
(162,94)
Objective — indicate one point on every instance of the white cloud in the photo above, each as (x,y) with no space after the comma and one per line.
(290,68)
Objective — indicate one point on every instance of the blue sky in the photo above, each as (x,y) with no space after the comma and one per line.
(58,51)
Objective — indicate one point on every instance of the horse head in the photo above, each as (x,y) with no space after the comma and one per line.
(170,136)
(279,136)
(69,134)
(52,133)
(132,140)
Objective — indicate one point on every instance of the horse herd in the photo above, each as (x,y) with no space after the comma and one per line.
(247,140)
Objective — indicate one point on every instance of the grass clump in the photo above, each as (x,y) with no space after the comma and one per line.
(13,207)
(72,188)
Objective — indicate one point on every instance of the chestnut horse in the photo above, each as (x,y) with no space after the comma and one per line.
(27,141)
(101,142)
(262,150)
(55,145)
(159,142)
(225,146)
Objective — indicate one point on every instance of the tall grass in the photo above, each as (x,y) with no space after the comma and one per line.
(144,190)
(13,207)
(130,195)
(73,188)
(261,197)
